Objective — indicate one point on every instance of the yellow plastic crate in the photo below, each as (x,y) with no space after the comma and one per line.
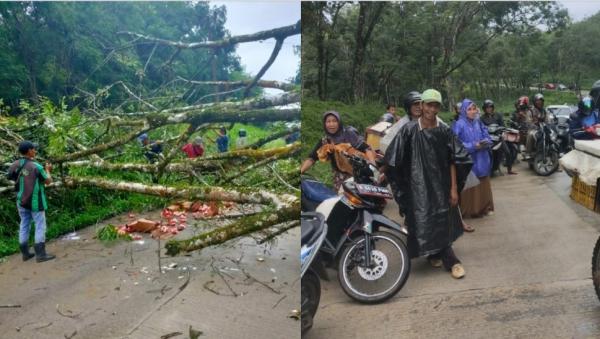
(584,194)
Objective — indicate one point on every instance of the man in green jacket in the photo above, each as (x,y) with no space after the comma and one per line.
(30,178)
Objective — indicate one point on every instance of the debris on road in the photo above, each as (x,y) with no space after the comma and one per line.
(294,314)
(194,334)
(10,306)
(71,236)
(170,335)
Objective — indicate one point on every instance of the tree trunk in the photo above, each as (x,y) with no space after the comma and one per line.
(189,192)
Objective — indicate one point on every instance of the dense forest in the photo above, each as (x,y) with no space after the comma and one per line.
(85,80)
(377,51)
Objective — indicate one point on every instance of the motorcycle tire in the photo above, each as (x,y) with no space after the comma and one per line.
(310,292)
(541,168)
(596,268)
(355,250)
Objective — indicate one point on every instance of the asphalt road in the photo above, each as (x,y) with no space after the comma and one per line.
(528,276)
(97,291)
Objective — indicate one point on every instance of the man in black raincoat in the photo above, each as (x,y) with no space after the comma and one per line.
(427,168)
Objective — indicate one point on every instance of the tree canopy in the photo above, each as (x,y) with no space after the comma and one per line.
(376,51)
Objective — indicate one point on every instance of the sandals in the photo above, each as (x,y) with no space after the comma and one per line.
(458,271)
(467,227)
(435,262)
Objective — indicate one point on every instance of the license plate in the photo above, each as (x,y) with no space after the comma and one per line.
(374,191)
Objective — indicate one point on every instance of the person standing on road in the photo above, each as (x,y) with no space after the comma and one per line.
(475,201)
(427,167)
(30,178)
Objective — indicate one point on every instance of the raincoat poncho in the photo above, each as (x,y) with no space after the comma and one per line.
(470,132)
(418,168)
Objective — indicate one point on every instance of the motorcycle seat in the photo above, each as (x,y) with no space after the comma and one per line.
(311,226)
(316,191)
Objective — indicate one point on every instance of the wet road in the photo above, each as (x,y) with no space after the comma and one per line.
(97,291)
(528,276)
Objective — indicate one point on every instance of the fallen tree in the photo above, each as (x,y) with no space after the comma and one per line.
(90,139)
(241,227)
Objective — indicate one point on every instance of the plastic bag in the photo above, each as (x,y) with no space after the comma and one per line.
(471,181)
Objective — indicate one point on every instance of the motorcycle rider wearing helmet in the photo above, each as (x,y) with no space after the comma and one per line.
(336,133)
(490,117)
(412,107)
(583,118)
(522,117)
(538,114)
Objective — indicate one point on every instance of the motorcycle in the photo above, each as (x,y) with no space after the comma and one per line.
(544,161)
(505,144)
(586,133)
(313,232)
(564,138)
(366,247)
(596,268)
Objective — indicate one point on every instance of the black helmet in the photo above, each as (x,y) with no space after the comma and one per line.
(538,96)
(595,94)
(410,99)
(487,103)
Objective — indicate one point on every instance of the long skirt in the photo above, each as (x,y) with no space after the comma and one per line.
(477,201)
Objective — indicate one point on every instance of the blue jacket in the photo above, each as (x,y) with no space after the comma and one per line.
(580,120)
(223,143)
(469,132)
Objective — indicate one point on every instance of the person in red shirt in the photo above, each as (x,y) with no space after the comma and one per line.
(195,149)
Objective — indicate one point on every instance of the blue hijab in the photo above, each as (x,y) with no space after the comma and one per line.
(469,132)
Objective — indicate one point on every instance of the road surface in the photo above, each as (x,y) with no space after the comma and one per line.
(528,276)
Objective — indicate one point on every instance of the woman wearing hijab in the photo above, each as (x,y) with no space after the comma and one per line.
(335,134)
(476,201)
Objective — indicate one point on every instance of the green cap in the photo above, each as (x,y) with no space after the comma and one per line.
(431,95)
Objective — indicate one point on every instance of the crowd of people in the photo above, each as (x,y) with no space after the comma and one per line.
(30,178)
(440,173)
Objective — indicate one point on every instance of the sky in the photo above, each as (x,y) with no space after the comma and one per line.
(252,17)
(245,17)
(580,9)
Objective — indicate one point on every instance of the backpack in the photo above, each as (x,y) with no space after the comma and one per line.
(16,175)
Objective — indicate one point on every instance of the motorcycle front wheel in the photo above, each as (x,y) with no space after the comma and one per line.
(388,272)
(547,165)
(596,268)
(310,294)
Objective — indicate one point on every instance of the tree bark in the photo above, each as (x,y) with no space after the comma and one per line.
(189,192)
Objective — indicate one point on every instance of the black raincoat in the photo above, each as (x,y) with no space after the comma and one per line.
(418,169)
